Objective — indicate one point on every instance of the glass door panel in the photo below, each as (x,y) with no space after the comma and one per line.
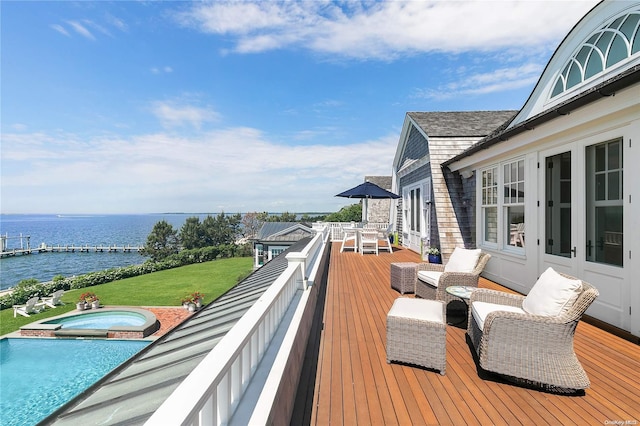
(604,197)
(558,207)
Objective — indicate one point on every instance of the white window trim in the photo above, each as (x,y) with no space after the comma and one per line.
(501,208)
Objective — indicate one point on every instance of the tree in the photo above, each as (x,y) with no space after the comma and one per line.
(161,242)
(218,230)
(351,213)
(251,224)
(191,233)
(284,217)
(235,224)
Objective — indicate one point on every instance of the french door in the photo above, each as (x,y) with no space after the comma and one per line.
(415,224)
(581,220)
(559,220)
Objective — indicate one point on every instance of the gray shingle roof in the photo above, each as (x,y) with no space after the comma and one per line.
(277,231)
(461,123)
(130,395)
(382,181)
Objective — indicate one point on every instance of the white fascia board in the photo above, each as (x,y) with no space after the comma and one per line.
(607,112)
(402,142)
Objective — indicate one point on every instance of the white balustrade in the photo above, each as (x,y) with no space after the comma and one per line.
(210,394)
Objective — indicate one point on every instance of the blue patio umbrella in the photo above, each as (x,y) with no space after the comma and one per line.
(365,191)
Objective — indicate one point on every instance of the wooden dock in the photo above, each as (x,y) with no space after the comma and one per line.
(44,248)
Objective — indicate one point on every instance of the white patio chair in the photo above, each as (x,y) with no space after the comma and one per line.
(369,242)
(54,299)
(349,234)
(31,307)
(383,235)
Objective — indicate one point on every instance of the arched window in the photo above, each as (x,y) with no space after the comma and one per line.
(611,44)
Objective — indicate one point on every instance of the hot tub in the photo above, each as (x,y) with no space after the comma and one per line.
(112,323)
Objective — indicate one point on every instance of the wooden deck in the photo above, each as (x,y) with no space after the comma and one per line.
(354,385)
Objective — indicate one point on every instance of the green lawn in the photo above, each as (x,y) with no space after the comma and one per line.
(164,288)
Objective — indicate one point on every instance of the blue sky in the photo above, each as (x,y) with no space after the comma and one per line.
(141,107)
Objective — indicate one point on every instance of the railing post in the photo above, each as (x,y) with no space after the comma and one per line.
(300,259)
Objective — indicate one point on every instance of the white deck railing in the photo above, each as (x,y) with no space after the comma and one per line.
(211,393)
(336,228)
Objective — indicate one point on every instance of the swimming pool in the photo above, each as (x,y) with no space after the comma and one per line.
(38,376)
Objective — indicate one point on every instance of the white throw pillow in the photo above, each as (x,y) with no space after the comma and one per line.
(462,260)
(430,277)
(552,294)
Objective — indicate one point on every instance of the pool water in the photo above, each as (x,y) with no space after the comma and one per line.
(100,320)
(37,376)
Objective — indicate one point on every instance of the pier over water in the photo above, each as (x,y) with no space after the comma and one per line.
(25,247)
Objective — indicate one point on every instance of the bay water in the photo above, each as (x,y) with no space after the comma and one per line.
(75,230)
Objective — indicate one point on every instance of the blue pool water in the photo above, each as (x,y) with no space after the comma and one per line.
(100,320)
(37,376)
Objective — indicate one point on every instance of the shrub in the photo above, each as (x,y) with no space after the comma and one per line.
(26,289)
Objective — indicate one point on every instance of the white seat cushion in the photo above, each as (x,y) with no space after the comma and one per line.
(552,294)
(419,309)
(462,260)
(430,277)
(480,310)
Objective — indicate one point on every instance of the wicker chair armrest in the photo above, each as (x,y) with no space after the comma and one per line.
(495,296)
(430,267)
(525,330)
(458,278)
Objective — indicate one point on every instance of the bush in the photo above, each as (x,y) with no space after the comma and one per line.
(27,289)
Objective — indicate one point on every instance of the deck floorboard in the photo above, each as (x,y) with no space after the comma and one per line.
(355,385)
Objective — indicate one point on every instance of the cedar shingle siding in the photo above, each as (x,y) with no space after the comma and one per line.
(434,138)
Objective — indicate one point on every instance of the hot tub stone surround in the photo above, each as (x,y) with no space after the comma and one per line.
(40,329)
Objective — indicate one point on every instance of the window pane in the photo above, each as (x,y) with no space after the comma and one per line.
(515,226)
(521,170)
(614,186)
(629,26)
(559,87)
(558,205)
(601,157)
(582,55)
(608,235)
(603,43)
(565,192)
(604,209)
(594,65)
(618,51)
(491,224)
(575,75)
(600,192)
(418,210)
(614,155)
(521,193)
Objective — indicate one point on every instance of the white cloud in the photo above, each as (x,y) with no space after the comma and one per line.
(162,70)
(385,30)
(469,83)
(235,169)
(59,28)
(19,127)
(171,114)
(81,29)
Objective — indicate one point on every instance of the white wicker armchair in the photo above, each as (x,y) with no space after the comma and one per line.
(426,290)
(531,349)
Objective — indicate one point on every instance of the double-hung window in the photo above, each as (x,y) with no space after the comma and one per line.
(490,206)
(502,190)
(513,203)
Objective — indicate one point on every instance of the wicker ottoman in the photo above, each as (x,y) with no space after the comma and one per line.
(417,333)
(403,277)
